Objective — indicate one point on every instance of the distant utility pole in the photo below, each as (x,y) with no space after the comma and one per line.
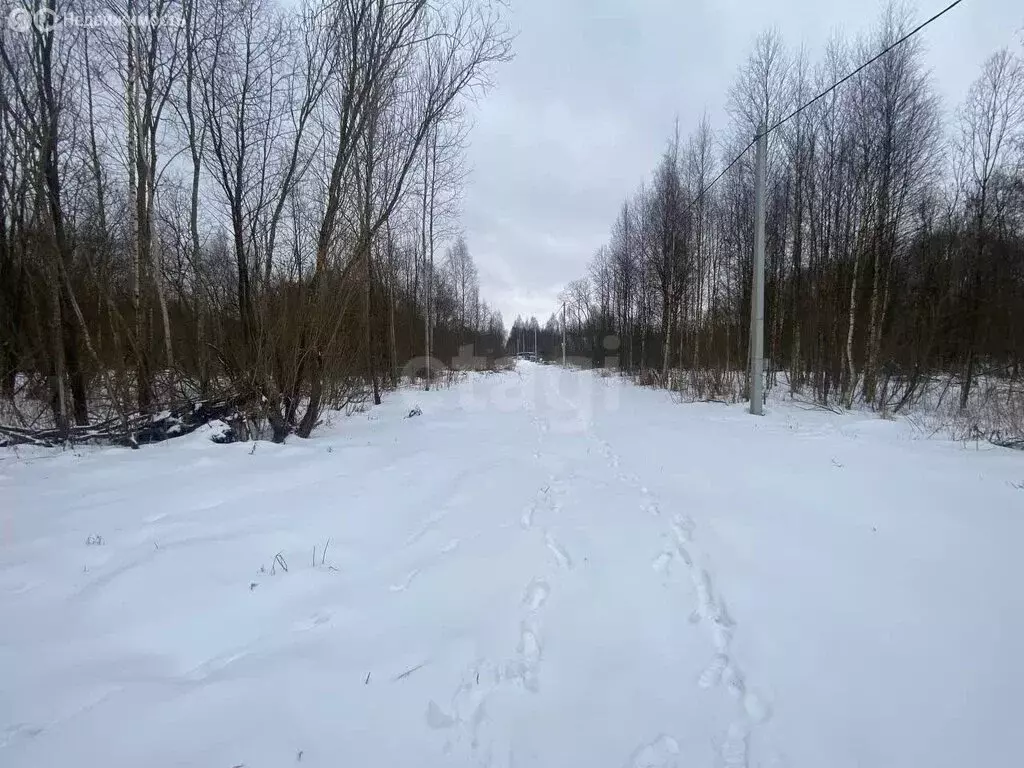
(535,343)
(757,292)
(563,334)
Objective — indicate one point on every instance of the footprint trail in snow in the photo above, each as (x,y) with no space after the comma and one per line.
(733,747)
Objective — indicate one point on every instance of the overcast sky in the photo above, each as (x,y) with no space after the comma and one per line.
(580,117)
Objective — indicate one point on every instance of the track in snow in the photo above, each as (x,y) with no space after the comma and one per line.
(546,568)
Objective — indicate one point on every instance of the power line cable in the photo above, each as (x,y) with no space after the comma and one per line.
(719,176)
(821,95)
(866,64)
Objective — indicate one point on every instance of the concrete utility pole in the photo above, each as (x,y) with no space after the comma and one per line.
(757,292)
(563,334)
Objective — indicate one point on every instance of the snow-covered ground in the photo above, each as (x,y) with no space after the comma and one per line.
(545,568)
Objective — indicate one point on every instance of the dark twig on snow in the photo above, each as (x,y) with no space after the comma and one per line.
(409,672)
(279,560)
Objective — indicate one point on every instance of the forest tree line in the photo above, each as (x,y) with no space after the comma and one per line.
(894,234)
(235,196)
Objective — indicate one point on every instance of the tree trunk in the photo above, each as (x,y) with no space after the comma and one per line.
(851,383)
(796,307)
(370,357)
(58,399)
(158,280)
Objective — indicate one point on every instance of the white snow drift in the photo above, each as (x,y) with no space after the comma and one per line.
(545,568)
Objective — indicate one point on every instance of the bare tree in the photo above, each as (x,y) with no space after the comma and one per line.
(989,123)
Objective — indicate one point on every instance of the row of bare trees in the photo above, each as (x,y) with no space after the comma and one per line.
(894,233)
(234,195)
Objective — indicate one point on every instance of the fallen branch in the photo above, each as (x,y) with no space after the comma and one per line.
(134,430)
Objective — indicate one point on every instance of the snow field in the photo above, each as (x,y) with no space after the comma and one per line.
(546,568)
